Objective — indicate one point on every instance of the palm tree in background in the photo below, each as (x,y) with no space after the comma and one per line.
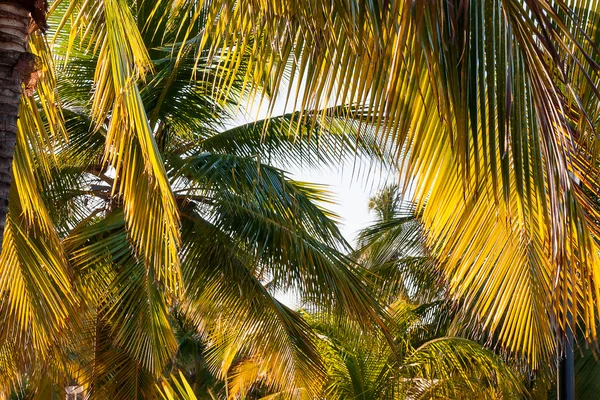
(394,251)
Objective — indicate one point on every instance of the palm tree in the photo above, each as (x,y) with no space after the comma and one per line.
(19,20)
(157,202)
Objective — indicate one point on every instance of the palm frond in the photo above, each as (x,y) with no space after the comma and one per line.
(216,298)
(287,140)
(458,368)
(122,59)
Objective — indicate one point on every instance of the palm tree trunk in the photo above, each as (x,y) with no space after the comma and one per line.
(15,65)
(566,370)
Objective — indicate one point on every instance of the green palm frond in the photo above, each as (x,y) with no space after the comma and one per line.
(425,363)
(328,142)
(459,369)
(587,370)
(293,241)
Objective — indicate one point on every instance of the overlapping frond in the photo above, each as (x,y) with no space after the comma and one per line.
(292,239)
(489,106)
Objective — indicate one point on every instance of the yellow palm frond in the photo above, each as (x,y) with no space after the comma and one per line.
(140,177)
(38,296)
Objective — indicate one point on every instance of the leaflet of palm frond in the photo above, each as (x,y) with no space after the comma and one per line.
(79,162)
(393,249)
(356,368)
(458,368)
(587,372)
(102,254)
(86,137)
(386,241)
(217,296)
(176,388)
(110,31)
(389,202)
(51,130)
(191,354)
(41,130)
(228,178)
(250,378)
(77,172)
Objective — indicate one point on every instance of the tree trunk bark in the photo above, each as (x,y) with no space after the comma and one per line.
(15,64)
(566,370)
